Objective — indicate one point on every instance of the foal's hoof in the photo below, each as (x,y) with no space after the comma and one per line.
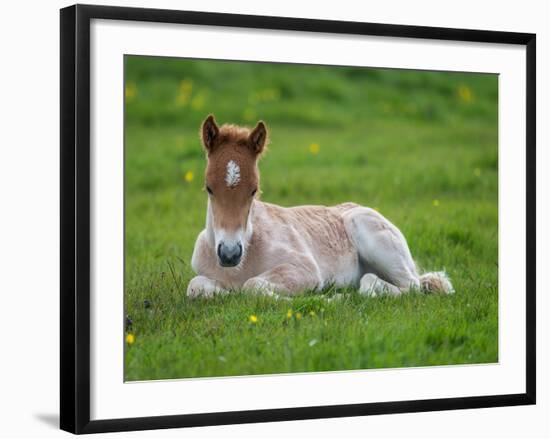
(194,293)
(201,286)
(368,286)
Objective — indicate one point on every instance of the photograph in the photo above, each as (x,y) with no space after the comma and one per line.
(294,218)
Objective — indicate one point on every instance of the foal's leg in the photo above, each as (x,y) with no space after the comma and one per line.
(201,286)
(285,278)
(384,250)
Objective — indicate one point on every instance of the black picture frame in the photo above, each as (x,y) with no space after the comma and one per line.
(75,217)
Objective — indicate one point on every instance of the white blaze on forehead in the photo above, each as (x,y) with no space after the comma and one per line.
(233,174)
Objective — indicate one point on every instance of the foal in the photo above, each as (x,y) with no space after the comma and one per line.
(251,245)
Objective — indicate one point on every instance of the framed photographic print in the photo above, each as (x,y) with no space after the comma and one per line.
(268,218)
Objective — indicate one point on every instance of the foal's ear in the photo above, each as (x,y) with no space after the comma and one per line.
(258,138)
(209,133)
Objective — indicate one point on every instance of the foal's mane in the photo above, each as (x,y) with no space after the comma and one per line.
(234,134)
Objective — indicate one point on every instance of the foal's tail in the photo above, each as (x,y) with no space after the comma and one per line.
(436,282)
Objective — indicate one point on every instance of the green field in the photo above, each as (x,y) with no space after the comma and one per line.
(421,147)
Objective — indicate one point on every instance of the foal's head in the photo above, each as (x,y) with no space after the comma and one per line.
(232,181)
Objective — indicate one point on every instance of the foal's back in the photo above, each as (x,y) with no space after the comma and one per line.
(318,231)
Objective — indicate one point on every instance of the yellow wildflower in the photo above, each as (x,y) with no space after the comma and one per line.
(186,86)
(314,148)
(198,102)
(185,90)
(298,315)
(289,314)
(253,319)
(188,177)
(269,94)
(130,91)
(130,338)
(465,94)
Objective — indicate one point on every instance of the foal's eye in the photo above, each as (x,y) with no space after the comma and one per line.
(254,192)
(209,190)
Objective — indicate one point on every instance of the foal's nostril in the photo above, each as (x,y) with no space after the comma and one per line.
(229,256)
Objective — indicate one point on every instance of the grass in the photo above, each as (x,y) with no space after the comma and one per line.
(419,146)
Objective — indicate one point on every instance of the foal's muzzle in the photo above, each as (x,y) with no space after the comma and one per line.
(229,255)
